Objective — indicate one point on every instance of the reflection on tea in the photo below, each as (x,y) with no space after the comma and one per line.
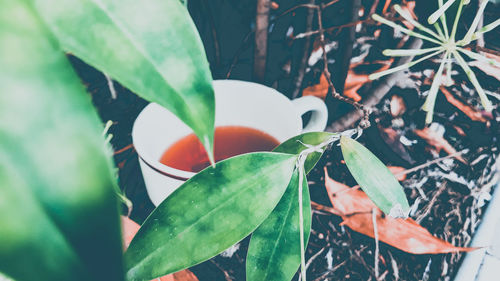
(188,153)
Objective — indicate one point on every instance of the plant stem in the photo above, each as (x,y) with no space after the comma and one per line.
(375,232)
(455,23)
(443,21)
(472,77)
(261,30)
(415,23)
(377,75)
(403,29)
(475,22)
(301,221)
(440,32)
(300,167)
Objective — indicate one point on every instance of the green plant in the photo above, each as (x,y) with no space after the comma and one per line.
(59,217)
(447,45)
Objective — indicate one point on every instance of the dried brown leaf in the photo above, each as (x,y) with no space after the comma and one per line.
(319,90)
(406,235)
(466,109)
(437,142)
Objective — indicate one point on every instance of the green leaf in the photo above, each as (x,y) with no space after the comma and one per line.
(210,212)
(274,250)
(58,210)
(151,47)
(374,178)
(295,145)
(31,245)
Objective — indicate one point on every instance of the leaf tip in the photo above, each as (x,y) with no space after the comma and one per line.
(398,212)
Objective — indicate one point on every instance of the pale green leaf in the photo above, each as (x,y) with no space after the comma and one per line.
(374,178)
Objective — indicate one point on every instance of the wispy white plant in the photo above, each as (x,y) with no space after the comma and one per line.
(447,48)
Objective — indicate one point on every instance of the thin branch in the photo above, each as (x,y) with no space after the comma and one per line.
(427,164)
(346,44)
(324,208)
(238,53)
(375,232)
(378,93)
(373,9)
(305,55)
(261,32)
(326,72)
(213,31)
(486,50)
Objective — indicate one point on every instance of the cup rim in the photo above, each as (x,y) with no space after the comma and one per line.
(169,171)
(155,164)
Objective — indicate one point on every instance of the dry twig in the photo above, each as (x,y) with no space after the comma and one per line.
(261,29)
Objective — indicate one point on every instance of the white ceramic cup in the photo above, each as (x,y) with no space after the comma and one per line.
(238,103)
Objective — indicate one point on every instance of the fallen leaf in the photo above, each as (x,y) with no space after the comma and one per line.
(437,142)
(386,6)
(466,109)
(396,171)
(459,130)
(354,81)
(319,90)
(409,7)
(129,229)
(404,234)
(393,140)
(487,68)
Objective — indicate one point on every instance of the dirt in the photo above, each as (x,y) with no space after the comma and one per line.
(450,195)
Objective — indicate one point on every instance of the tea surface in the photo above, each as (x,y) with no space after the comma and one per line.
(188,154)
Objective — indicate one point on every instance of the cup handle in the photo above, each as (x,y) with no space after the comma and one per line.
(319,115)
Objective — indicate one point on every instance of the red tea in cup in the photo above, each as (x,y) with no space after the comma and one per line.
(188,153)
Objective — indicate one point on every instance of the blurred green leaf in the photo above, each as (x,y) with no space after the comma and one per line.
(274,250)
(58,211)
(295,145)
(374,178)
(151,47)
(207,214)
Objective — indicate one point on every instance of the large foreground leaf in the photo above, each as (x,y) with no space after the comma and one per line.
(374,178)
(31,245)
(274,250)
(207,214)
(58,211)
(150,46)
